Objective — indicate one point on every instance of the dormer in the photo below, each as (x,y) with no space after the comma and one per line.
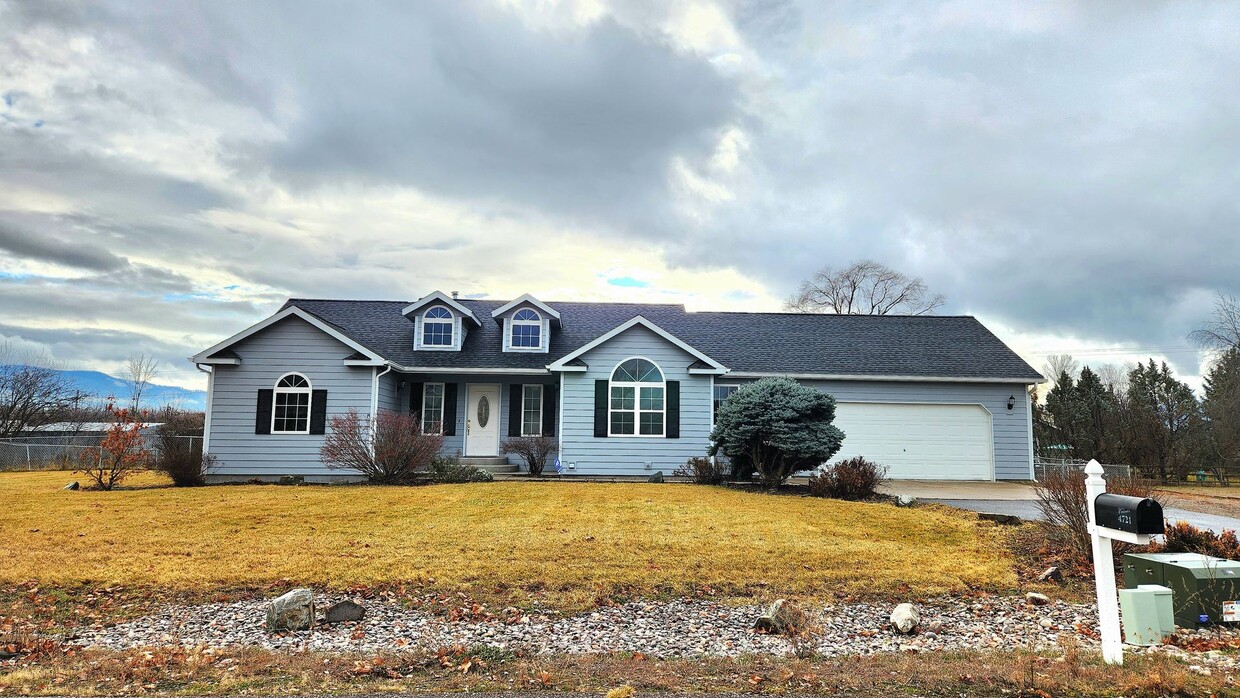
(440,323)
(526,324)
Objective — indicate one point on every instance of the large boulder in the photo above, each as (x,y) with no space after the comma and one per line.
(344,611)
(905,618)
(293,611)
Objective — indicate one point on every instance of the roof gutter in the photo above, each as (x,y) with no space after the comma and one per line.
(885,378)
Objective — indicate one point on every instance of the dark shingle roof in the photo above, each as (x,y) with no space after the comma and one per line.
(860,345)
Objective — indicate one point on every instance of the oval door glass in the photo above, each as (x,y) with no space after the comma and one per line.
(484,411)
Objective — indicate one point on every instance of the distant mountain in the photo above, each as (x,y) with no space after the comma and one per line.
(101,385)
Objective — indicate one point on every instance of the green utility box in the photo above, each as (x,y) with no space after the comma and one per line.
(1204,589)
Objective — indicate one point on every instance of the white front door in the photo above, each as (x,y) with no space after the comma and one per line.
(482,420)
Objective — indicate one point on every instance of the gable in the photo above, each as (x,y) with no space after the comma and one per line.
(637,341)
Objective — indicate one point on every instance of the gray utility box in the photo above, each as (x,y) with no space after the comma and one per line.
(1202,587)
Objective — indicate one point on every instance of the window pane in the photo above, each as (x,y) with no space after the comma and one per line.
(432,408)
(526,314)
(622,422)
(652,398)
(437,334)
(622,398)
(652,423)
(438,313)
(526,336)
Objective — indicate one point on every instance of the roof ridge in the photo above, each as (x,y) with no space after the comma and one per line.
(848,315)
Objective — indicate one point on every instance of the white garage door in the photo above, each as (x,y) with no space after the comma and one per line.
(928,442)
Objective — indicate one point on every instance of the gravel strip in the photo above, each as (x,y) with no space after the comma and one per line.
(657,629)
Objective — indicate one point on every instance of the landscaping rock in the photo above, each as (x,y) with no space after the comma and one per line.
(657,477)
(1052,574)
(905,500)
(1036,599)
(72,486)
(344,611)
(779,619)
(905,618)
(293,611)
(1001,519)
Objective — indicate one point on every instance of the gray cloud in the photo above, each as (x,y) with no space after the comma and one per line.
(57,250)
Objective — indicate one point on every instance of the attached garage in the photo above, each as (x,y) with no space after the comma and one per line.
(920,441)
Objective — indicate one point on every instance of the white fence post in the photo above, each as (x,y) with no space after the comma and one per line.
(1104,571)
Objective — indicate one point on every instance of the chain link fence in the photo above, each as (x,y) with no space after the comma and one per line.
(1042,466)
(65,452)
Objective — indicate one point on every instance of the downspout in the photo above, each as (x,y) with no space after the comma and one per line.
(206,420)
(375,375)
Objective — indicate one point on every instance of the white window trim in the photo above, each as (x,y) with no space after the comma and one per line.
(308,391)
(713,386)
(637,401)
(443,395)
(541,394)
(450,321)
(512,329)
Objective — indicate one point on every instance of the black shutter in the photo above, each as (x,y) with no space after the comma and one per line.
(600,408)
(262,415)
(550,403)
(415,400)
(514,409)
(449,409)
(673,410)
(318,411)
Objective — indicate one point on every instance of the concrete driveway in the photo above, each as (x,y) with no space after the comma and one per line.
(1019,499)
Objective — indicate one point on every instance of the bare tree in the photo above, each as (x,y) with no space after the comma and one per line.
(1058,364)
(140,370)
(33,392)
(864,288)
(1222,331)
(1114,377)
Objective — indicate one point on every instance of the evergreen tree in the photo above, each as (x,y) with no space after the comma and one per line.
(1222,407)
(1165,420)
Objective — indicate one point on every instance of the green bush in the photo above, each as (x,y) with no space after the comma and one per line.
(450,470)
(854,479)
(776,427)
(703,471)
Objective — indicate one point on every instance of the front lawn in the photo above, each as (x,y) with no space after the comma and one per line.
(574,541)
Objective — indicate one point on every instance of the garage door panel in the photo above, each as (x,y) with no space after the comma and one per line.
(917,441)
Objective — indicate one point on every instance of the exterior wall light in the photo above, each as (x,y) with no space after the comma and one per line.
(1011,402)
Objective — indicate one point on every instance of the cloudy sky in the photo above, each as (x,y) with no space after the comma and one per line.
(170,172)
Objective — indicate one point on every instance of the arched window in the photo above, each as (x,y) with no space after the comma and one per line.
(437,327)
(526,329)
(290,407)
(636,399)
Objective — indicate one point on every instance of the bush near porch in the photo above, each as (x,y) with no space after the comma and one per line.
(574,541)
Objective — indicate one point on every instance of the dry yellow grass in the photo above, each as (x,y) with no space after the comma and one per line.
(573,539)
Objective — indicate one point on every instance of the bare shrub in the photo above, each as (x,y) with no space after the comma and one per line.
(121,453)
(534,450)
(854,479)
(1063,505)
(1183,537)
(703,471)
(395,451)
(180,455)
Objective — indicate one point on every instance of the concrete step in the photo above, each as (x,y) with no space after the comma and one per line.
(498,460)
(499,469)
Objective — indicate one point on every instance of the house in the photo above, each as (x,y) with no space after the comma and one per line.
(626,389)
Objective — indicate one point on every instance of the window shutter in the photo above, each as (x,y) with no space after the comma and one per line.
(551,402)
(415,400)
(417,336)
(516,397)
(544,337)
(262,415)
(318,411)
(600,408)
(507,336)
(449,409)
(673,410)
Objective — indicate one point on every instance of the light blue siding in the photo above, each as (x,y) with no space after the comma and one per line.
(628,455)
(1010,429)
(289,345)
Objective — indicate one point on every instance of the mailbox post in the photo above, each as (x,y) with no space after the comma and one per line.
(1114,517)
